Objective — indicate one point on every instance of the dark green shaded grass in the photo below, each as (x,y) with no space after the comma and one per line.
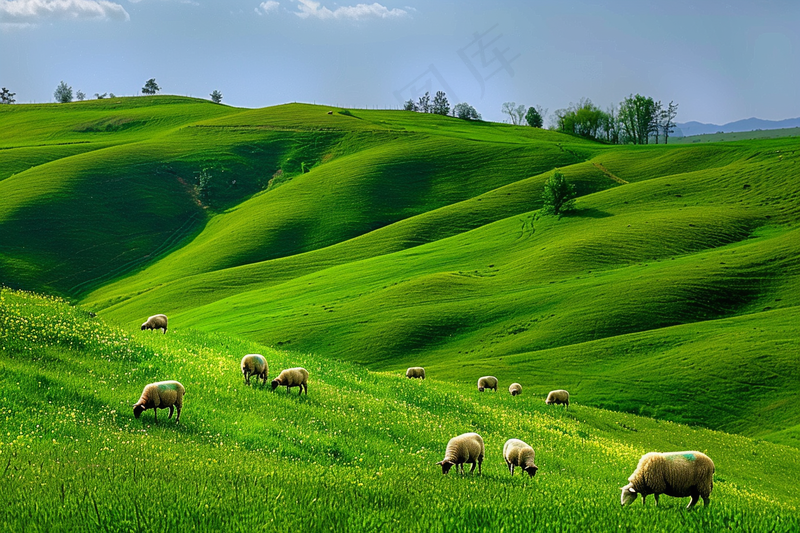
(356,454)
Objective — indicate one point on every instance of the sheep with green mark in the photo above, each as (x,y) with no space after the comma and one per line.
(254,364)
(676,474)
(161,395)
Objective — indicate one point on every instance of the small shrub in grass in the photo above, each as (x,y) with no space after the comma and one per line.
(558,196)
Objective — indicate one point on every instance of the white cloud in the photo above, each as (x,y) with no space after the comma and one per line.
(267,7)
(22,12)
(310,8)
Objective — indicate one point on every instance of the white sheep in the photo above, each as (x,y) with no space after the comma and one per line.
(465,448)
(254,364)
(292,377)
(517,453)
(487,382)
(557,397)
(677,474)
(415,372)
(156,322)
(161,395)
(515,389)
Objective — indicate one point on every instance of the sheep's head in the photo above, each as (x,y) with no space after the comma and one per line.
(275,383)
(446,465)
(531,470)
(480,389)
(144,326)
(137,410)
(628,494)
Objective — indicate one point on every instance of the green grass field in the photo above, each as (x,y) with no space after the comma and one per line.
(357,453)
(737,136)
(358,243)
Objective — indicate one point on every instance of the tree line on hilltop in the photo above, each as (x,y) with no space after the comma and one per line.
(636,120)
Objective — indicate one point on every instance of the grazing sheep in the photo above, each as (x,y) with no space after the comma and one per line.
(254,365)
(161,395)
(677,474)
(415,372)
(487,382)
(514,389)
(292,377)
(156,322)
(517,453)
(557,397)
(466,448)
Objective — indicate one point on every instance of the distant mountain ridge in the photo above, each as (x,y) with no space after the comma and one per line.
(685,129)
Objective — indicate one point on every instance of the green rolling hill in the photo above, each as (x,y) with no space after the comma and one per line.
(358,453)
(393,238)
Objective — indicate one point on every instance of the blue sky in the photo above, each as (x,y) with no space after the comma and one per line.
(719,60)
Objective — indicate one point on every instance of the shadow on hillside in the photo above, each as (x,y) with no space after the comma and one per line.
(590,213)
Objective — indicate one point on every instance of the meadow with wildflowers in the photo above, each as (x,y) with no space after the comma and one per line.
(357,454)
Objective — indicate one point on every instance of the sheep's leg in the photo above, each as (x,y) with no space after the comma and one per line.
(155,414)
(656,497)
(171,410)
(693,501)
(706,499)
(644,497)
(471,470)
(178,418)
(480,462)
(510,467)
(305,386)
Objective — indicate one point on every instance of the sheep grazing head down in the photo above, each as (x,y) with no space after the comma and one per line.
(446,465)
(138,409)
(531,470)
(628,494)
(275,383)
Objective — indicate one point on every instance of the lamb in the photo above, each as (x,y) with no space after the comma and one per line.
(161,395)
(415,372)
(514,389)
(292,377)
(156,322)
(254,365)
(557,397)
(517,453)
(677,474)
(465,448)
(487,382)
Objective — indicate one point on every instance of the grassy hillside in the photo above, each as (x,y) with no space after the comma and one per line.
(358,453)
(737,136)
(393,238)
(503,288)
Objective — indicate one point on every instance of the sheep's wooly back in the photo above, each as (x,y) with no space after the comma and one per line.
(415,372)
(254,363)
(678,471)
(466,447)
(487,382)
